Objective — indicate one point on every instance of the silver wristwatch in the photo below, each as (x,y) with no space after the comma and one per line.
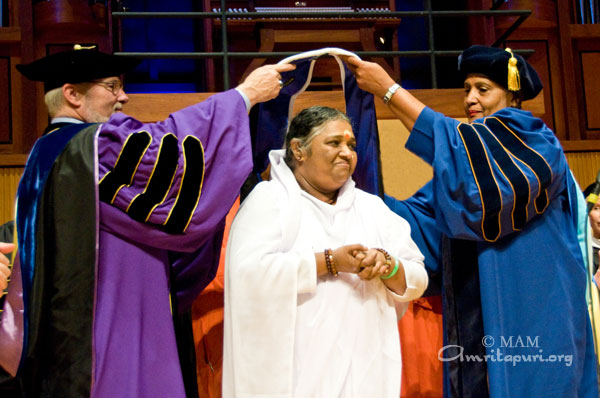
(388,96)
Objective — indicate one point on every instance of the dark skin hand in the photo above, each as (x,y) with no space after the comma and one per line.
(344,257)
(366,263)
(371,77)
(374,262)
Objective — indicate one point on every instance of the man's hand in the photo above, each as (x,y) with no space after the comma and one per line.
(263,83)
(5,248)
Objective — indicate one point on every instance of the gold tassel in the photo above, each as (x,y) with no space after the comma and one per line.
(514,80)
(80,47)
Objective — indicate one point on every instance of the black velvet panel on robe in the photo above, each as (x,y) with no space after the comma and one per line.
(58,361)
(463,323)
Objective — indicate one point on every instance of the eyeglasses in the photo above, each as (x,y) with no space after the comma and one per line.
(114,87)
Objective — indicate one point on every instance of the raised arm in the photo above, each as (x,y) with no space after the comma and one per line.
(373,78)
(181,175)
(178,176)
(263,83)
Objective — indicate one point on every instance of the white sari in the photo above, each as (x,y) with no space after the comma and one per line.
(291,334)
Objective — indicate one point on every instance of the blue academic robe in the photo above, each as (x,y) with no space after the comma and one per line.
(500,215)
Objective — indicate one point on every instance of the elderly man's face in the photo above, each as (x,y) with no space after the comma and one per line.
(103,98)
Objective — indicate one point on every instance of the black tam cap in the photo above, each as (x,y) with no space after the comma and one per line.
(76,66)
(510,71)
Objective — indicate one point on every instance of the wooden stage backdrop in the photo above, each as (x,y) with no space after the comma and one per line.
(403,172)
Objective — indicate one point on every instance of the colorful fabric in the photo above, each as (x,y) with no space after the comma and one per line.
(421,335)
(207,321)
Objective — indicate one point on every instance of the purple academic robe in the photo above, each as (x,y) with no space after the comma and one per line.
(178,178)
(203,155)
(135,353)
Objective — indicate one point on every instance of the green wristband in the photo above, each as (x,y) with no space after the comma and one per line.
(393,271)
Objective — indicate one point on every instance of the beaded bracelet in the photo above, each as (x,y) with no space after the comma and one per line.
(393,271)
(330,262)
(388,258)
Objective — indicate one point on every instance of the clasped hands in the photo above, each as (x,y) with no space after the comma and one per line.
(358,259)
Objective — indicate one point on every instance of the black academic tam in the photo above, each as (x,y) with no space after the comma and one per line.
(76,66)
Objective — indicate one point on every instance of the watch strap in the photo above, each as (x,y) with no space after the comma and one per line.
(388,96)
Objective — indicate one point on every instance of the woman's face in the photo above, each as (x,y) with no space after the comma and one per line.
(483,97)
(595,219)
(331,159)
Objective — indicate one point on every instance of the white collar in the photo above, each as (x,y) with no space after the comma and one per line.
(65,119)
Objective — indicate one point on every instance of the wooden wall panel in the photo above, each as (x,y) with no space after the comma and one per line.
(403,172)
(540,60)
(13,110)
(9,180)
(153,107)
(590,65)
(5,108)
(585,166)
(586,80)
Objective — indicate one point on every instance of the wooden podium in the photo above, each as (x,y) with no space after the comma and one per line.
(302,34)
(321,33)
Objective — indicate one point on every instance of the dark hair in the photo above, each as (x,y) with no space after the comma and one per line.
(305,126)
(518,98)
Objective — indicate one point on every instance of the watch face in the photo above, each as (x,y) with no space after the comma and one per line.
(388,96)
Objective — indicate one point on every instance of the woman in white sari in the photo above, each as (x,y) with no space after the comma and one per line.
(303,320)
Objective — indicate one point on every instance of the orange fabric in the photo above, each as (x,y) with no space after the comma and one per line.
(421,339)
(207,323)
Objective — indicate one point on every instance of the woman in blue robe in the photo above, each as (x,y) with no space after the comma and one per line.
(500,213)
